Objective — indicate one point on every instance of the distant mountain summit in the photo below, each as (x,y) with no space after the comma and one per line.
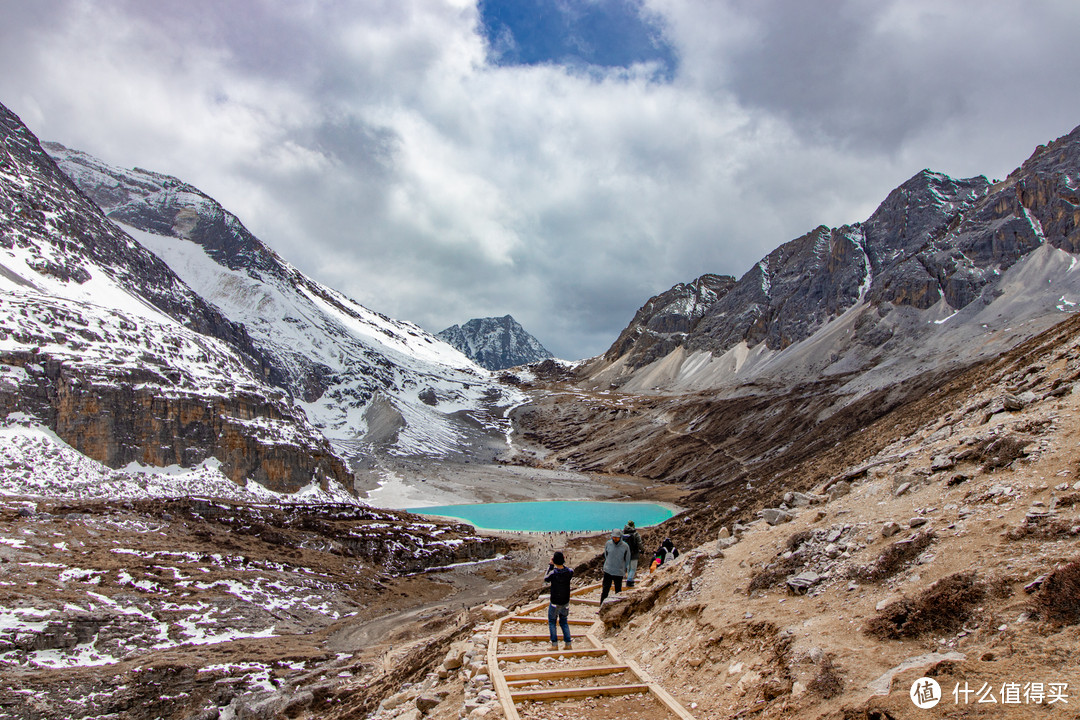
(495,343)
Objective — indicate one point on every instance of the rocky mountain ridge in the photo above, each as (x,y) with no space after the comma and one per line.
(495,343)
(866,342)
(941,263)
(358,374)
(101,342)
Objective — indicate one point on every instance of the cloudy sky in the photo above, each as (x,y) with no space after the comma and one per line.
(559,160)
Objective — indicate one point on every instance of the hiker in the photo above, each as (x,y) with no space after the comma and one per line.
(616,558)
(559,603)
(666,551)
(633,541)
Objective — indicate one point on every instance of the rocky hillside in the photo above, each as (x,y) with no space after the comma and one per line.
(181,608)
(357,374)
(938,541)
(945,271)
(102,343)
(495,343)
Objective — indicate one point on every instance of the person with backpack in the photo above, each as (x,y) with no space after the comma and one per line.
(633,541)
(559,602)
(665,552)
(616,558)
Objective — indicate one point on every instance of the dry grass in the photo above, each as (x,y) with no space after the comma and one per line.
(1044,528)
(1058,599)
(942,607)
(894,558)
(774,573)
(828,682)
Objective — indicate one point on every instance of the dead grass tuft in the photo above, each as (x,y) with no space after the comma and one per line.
(1044,528)
(942,607)
(828,683)
(796,540)
(1058,599)
(774,573)
(996,453)
(894,558)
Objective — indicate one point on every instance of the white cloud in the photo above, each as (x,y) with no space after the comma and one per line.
(371,145)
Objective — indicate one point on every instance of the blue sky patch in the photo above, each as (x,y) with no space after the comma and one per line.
(589,33)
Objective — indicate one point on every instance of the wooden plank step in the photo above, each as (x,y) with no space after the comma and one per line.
(532,637)
(538,619)
(525,657)
(570,693)
(586,601)
(555,674)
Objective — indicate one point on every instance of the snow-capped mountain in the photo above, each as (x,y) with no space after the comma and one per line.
(945,271)
(104,345)
(358,374)
(495,343)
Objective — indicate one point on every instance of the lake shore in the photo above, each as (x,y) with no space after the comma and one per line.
(398,483)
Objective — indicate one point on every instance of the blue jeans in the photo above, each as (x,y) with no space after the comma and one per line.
(560,613)
(631,569)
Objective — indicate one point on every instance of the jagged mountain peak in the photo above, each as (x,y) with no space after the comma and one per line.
(983,264)
(495,343)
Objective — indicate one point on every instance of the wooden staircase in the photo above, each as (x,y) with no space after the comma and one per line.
(575,681)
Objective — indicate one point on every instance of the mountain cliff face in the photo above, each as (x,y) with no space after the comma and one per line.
(104,344)
(495,343)
(824,336)
(357,373)
(663,323)
(944,270)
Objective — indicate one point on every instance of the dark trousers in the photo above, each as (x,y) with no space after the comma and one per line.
(608,579)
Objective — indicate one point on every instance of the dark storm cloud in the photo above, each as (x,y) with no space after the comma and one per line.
(377,146)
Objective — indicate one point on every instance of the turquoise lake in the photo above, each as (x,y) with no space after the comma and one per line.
(553,516)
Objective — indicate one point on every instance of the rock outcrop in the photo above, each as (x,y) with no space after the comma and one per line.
(104,344)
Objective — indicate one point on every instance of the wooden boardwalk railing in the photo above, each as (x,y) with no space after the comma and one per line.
(510,686)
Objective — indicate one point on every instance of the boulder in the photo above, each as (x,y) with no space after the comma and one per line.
(839,489)
(802,582)
(776,516)
(493,612)
(427,702)
(799,499)
(942,462)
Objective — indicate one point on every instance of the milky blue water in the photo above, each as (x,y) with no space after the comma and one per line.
(554,516)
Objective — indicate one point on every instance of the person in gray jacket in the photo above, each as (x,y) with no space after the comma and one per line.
(616,560)
(633,541)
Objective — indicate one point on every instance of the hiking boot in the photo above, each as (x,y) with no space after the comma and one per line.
(554,646)
(568,646)
(629,583)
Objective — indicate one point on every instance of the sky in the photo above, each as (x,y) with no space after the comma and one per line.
(558,160)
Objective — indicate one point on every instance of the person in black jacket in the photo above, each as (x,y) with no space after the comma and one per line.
(559,606)
(665,552)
